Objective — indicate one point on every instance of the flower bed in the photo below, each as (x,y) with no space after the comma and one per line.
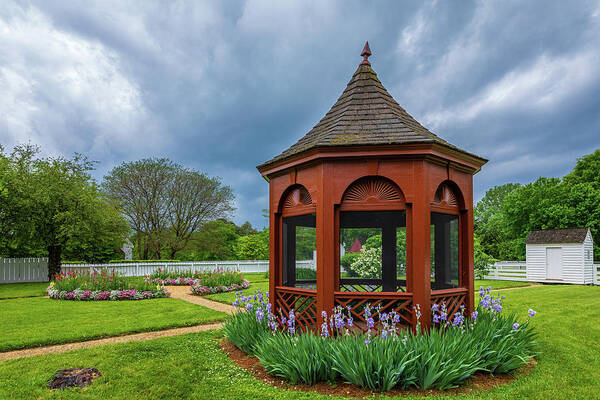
(174,278)
(103,286)
(201,283)
(181,281)
(199,289)
(387,356)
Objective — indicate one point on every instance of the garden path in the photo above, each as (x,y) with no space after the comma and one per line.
(61,348)
(179,292)
(183,293)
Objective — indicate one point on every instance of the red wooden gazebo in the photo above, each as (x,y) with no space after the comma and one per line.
(368,166)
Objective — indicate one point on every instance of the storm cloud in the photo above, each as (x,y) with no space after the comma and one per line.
(224,86)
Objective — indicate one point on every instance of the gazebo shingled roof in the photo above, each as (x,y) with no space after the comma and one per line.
(365,114)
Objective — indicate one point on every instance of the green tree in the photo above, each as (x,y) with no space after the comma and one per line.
(488,221)
(216,240)
(166,203)
(55,205)
(306,242)
(483,261)
(245,229)
(537,205)
(587,170)
(254,246)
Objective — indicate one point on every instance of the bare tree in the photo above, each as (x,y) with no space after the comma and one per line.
(141,189)
(166,203)
(194,199)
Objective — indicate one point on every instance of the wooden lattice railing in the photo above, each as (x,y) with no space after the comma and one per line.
(379,302)
(453,298)
(367,285)
(302,301)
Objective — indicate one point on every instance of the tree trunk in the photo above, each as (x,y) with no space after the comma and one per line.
(54,253)
(172,253)
(139,245)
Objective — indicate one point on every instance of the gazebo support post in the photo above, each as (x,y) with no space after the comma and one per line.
(325,246)
(468,259)
(274,251)
(419,279)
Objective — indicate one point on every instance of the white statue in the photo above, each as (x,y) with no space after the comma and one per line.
(127,249)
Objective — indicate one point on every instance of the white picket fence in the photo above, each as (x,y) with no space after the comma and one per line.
(28,269)
(143,269)
(14,270)
(517,271)
(31,269)
(508,271)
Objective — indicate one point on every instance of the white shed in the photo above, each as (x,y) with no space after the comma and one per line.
(561,256)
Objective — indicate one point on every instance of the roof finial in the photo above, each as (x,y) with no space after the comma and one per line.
(365,54)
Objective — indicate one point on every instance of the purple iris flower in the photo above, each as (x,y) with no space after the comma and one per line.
(531,313)
(515,326)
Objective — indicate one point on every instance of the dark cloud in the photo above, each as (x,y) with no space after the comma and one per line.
(224,86)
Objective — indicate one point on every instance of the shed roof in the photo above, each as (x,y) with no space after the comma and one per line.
(365,114)
(548,236)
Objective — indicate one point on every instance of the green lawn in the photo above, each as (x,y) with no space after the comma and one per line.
(192,366)
(256,277)
(40,321)
(497,284)
(14,290)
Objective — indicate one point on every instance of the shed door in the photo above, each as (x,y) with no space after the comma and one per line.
(554,263)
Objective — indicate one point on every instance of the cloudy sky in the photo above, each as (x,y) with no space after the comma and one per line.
(223,86)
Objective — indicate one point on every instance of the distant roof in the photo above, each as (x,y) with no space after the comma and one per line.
(365,114)
(356,246)
(568,235)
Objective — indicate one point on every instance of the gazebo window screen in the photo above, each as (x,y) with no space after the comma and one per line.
(381,234)
(299,247)
(445,271)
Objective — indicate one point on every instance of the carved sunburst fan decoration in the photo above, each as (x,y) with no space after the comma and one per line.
(445,194)
(373,188)
(298,196)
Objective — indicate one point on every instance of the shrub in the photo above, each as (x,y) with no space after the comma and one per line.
(346,260)
(483,262)
(306,273)
(367,264)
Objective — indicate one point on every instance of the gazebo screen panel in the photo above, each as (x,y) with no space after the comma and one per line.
(379,229)
(299,245)
(445,258)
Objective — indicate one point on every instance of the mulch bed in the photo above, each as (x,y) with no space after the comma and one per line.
(480,382)
(80,377)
